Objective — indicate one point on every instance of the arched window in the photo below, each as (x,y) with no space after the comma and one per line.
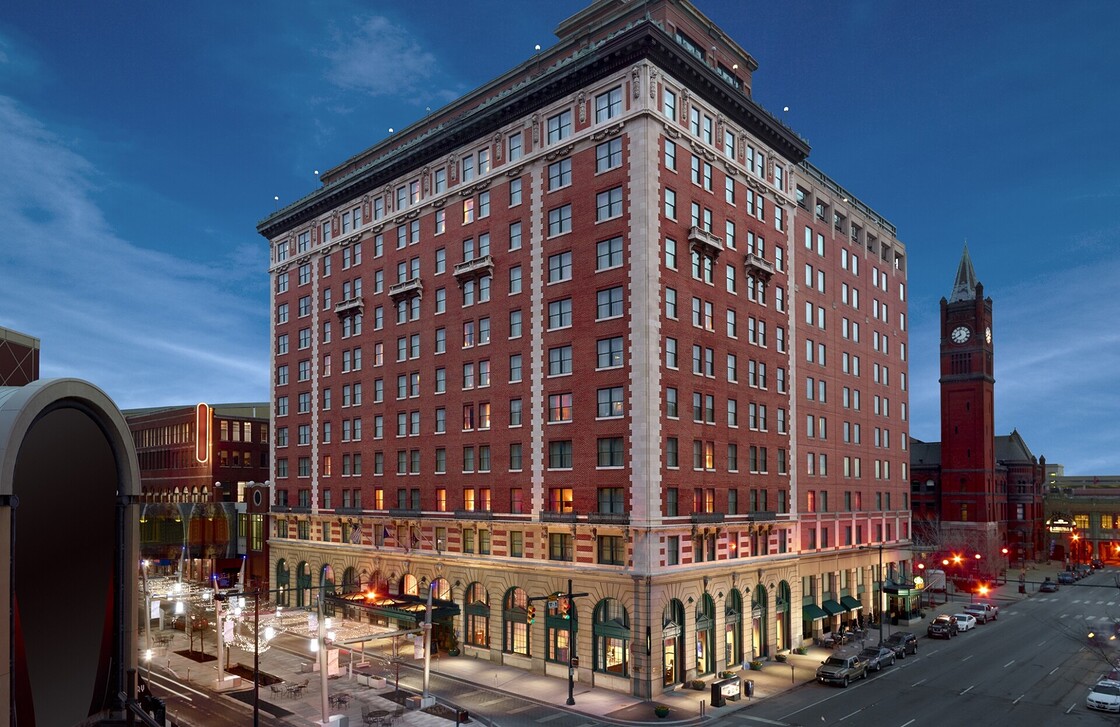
(733,629)
(782,613)
(515,622)
(441,589)
(610,648)
(283,583)
(303,584)
(760,605)
(350,581)
(672,644)
(476,613)
(326,587)
(409,585)
(705,632)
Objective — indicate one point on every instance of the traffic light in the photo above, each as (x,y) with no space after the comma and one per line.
(531,614)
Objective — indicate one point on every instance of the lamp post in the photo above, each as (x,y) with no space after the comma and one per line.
(319,643)
(147,612)
(425,699)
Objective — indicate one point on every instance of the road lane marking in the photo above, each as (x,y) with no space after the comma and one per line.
(1071,707)
(763,720)
(551,717)
(1018,698)
(849,714)
(1008,663)
(523,708)
(492,701)
(179,685)
(1052,672)
(920,681)
(966,691)
(907,724)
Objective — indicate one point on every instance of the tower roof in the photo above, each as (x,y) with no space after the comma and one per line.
(964,286)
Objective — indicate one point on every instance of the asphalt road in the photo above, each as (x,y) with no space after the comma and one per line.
(1032,666)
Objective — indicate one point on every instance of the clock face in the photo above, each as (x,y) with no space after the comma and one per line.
(988,334)
(960,334)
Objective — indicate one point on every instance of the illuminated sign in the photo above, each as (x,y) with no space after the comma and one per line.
(202,433)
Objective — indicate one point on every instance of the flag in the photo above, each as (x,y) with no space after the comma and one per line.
(385,533)
(356,534)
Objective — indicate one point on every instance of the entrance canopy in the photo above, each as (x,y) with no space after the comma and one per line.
(401,607)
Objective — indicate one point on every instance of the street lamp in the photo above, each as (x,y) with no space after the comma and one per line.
(425,699)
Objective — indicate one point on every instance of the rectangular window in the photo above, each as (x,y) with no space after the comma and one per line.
(560,220)
(608,105)
(559,127)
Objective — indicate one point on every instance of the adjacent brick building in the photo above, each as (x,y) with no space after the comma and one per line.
(598,320)
(198,466)
(19,358)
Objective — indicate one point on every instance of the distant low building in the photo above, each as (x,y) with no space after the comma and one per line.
(1082,516)
(196,463)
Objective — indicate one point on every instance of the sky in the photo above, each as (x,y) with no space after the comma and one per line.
(141,142)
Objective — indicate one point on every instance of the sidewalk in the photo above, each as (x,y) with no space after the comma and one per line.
(288,654)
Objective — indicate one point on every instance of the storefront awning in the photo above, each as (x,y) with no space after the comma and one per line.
(401,607)
(812,612)
(900,589)
(832,607)
(850,603)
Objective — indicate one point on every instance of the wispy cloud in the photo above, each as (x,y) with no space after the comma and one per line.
(96,299)
(379,58)
(1057,363)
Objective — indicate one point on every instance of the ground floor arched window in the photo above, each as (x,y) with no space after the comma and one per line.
(326,588)
(760,607)
(783,637)
(283,583)
(476,615)
(610,646)
(733,629)
(303,584)
(515,622)
(672,642)
(705,633)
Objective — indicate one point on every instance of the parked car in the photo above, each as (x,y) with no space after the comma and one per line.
(965,621)
(991,606)
(942,627)
(982,611)
(1105,696)
(1048,586)
(877,657)
(902,643)
(1096,564)
(1065,578)
(841,669)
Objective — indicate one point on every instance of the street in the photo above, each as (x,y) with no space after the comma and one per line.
(1031,666)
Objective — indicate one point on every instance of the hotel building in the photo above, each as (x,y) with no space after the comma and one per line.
(599,322)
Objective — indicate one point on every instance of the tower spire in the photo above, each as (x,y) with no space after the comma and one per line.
(964,286)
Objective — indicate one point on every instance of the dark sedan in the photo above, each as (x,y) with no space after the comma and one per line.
(1048,586)
(942,627)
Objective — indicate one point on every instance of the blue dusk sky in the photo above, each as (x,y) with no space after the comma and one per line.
(141,142)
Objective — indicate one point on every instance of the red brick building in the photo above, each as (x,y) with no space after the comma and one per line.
(597,320)
(975,493)
(196,463)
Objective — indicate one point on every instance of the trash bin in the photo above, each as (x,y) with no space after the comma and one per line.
(750,688)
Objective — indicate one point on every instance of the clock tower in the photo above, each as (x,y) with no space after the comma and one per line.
(970,508)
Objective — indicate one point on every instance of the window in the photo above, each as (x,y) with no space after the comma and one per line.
(608,254)
(514,368)
(560,455)
(559,174)
(515,192)
(560,267)
(515,147)
(560,360)
(671,211)
(560,313)
(610,402)
(608,105)
(612,550)
(515,412)
(669,104)
(609,352)
(608,204)
(559,408)
(608,155)
(559,127)
(608,303)
(560,220)
(560,546)
(515,280)
(515,236)
(515,323)
(610,452)
(670,155)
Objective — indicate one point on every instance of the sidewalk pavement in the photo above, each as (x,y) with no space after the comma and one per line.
(287,657)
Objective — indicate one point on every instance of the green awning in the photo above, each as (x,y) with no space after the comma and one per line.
(832,607)
(850,603)
(812,612)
